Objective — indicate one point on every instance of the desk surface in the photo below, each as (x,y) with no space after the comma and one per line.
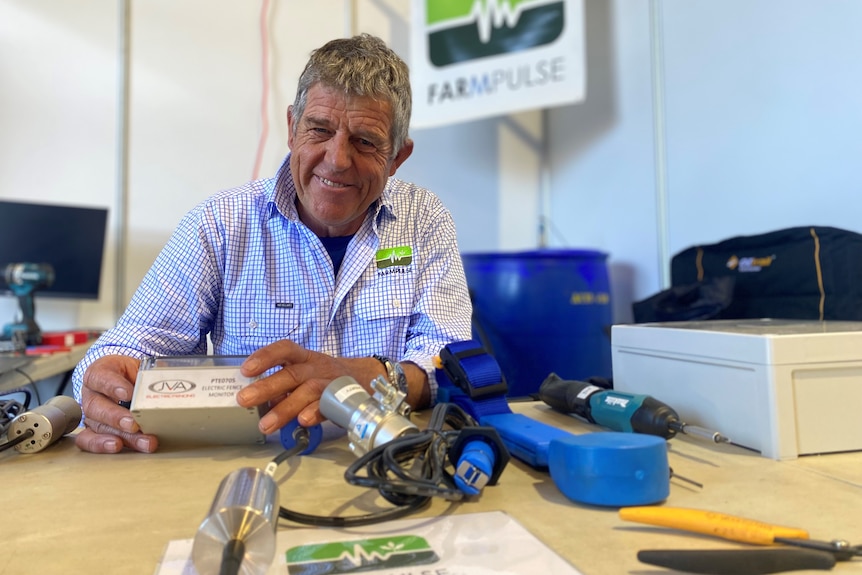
(74,512)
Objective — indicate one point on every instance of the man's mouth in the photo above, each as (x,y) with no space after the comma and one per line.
(330,183)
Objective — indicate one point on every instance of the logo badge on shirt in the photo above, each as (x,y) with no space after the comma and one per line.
(397,256)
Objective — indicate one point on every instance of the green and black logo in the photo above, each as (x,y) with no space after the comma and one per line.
(358,556)
(462,30)
(398,256)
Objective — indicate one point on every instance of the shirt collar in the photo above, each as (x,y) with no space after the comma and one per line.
(281,192)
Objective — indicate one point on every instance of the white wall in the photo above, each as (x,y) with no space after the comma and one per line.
(758,121)
(58,102)
(764,116)
(745,114)
(603,184)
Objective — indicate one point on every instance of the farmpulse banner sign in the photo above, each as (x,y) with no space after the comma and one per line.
(472,59)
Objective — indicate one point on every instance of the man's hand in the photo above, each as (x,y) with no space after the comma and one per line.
(294,390)
(109,426)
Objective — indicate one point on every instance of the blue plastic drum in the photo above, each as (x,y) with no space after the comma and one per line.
(542,311)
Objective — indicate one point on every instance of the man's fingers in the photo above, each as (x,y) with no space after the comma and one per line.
(279,384)
(281,353)
(101,438)
(297,373)
(89,440)
(311,415)
(304,402)
(113,376)
(283,382)
(99,408)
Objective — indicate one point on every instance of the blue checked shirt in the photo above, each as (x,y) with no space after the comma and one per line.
(242,268)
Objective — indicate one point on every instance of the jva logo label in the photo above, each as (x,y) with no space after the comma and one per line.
(171,386)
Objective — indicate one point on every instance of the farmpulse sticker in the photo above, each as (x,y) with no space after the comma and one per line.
(360,555)
(397,256)
(464,30)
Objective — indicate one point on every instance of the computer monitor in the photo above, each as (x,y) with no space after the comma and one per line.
(71,239)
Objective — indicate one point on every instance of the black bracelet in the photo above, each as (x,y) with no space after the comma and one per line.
(394,373)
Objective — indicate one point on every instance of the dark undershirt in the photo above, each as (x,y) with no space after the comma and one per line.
(336,247)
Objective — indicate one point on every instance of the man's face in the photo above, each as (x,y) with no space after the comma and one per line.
(341,157)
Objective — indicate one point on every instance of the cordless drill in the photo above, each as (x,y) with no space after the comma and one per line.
(23,280)
(618,411)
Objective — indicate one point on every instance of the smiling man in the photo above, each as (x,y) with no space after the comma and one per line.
(332,267)
(342,156)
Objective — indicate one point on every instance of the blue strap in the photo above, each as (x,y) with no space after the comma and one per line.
(471,378)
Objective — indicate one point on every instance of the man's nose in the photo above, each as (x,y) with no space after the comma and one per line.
(339,152)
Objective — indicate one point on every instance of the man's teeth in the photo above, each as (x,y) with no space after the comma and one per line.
(331,183)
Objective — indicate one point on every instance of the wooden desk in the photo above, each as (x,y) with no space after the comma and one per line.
(72,512)
(42,367)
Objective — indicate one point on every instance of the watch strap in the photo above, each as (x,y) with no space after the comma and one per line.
(394,372)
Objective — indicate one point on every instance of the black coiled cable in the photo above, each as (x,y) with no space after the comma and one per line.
(407,471)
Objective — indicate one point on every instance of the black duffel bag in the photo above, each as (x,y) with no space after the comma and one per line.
(795,273)
(701,300)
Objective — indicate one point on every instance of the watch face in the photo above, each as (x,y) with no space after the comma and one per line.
(394,373)
(400,379)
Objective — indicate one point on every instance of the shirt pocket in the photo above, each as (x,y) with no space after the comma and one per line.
(260,323)
(390,297)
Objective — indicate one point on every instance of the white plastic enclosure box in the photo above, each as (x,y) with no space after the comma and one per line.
(781,387)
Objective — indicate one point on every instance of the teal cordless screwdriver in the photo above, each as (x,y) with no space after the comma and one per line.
(619,411)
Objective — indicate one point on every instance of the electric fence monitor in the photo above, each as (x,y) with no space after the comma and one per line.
(191,399)
(70,238)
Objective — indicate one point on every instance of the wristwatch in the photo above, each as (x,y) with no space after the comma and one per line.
(394,372)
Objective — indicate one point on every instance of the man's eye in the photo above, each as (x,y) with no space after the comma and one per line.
(364,144)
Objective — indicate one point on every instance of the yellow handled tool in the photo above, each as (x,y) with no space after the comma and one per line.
(712,523)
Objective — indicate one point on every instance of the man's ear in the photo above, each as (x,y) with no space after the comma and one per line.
(401,156)
(290,120)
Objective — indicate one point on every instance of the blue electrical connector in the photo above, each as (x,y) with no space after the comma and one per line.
(288,437)
(474,467)
(480,456)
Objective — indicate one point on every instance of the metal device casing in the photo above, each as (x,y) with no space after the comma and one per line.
(369,421)
(57,417)
(245,507)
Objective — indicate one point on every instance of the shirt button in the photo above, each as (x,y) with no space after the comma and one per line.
(252,324)
(396,303)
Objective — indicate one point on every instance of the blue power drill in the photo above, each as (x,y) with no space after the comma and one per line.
(619,411)
(23,279)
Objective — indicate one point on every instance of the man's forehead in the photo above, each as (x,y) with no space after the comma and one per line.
(320,90)
(334,108)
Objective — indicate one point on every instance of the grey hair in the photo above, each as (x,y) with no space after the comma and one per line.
(363,66)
